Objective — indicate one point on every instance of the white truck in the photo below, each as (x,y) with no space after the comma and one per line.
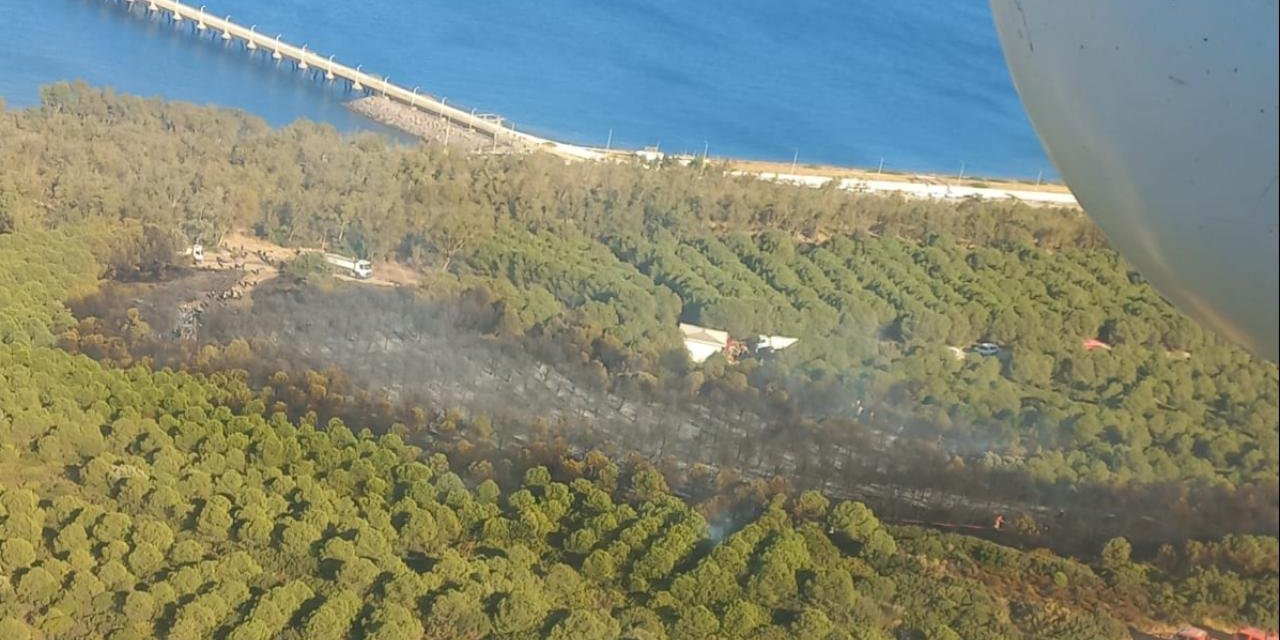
(359,268)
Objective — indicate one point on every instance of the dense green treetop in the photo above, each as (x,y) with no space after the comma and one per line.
(140,503)
(608,257)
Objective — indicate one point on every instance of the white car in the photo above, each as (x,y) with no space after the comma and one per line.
(986,349)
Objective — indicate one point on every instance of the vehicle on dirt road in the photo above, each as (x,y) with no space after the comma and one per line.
(359,268)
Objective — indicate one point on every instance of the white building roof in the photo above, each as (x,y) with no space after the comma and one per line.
(693,332)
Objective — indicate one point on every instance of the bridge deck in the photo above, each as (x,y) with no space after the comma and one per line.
(485,123)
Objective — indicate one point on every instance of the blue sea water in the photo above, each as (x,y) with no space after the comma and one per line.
(920,84)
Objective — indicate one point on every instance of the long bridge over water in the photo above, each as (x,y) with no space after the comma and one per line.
(359,80)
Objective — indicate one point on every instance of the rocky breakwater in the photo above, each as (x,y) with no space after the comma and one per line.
(427,125)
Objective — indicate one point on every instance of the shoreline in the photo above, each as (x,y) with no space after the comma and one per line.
(867,173)
(441,129)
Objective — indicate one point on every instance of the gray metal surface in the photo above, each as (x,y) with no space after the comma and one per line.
(1161,116)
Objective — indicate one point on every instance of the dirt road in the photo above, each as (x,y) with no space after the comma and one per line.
(251,253)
